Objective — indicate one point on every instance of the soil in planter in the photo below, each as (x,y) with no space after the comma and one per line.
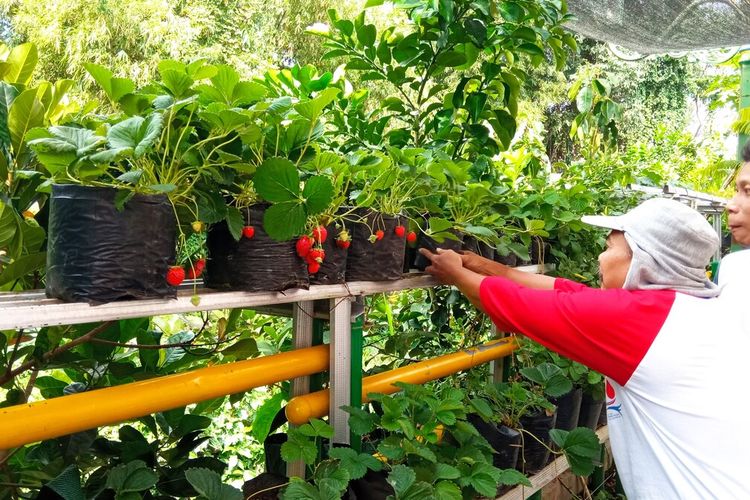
(535,455)
(479,247)
(568,409)
(97,254)
(333,268)
(424,241)
(590,410)
(270,484)
(253,264)
(505,441)
(382,260)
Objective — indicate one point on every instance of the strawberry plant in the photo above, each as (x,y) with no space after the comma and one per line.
(27,104)
(277,181)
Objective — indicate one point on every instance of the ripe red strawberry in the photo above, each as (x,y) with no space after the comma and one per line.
(320,234)
(175,275)
(248,232)
(196,269)
(344,244)
(304,244)
(313,267)
(411,237)
(316,255)
(379,234)
(400,231)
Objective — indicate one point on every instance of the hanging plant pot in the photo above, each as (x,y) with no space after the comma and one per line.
(535,454)
(478,247)
(568,409)
(336,248)
(591,408)
(256,262)
(505,441)
(96,253)
(378,260)
(421,262)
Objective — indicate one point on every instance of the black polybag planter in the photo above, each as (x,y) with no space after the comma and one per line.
(505,441)
(590,410)
(382,260)
(534,456)
(96,253)
(478,247)
(269,484)
(424,241)
(373,486)
(253,264)
(568,409)
(333,269)
(509,260)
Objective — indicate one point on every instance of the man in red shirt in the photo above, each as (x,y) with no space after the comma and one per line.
(672,353)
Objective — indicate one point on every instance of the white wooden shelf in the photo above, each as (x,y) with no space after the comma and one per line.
(33,310)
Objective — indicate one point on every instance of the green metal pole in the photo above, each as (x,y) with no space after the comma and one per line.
(356,371)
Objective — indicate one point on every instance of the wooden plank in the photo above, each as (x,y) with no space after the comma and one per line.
(32,310)
(548,474)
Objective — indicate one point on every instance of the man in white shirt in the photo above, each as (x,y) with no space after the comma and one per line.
(735,267)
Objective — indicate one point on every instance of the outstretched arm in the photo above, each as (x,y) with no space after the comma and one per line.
(448,268)
(487,267)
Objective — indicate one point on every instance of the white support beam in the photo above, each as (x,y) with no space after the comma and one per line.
(340,368)
(302,319)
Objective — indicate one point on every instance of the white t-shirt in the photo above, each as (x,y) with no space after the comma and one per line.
(676,366)
(734,270)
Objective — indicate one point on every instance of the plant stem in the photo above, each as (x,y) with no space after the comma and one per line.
(29,365)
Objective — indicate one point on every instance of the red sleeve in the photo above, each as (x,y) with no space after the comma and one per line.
(607,330)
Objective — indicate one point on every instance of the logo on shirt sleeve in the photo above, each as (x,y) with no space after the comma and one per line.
(614,408)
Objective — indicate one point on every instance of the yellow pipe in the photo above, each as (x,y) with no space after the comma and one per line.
(28,423)
(315,405)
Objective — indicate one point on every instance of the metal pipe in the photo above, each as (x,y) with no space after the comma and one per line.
(315,405)
(56,417)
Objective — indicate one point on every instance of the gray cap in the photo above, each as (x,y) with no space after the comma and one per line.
(672,244)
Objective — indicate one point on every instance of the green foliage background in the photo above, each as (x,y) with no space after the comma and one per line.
(254,35)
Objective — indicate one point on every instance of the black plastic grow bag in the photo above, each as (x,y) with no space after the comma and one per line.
(97,254)
(479,247)
(505,441)
(535,454)
(333,269)
(253,264)
(568,409)
(382,260)
(424,241)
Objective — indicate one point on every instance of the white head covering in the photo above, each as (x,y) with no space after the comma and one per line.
(671,244)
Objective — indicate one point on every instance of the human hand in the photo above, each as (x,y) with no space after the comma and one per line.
(445,265)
